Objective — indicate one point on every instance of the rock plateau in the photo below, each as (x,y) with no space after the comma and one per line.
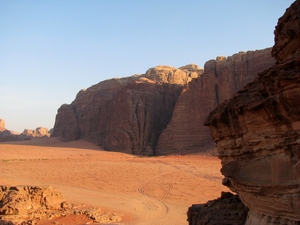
(258,133)
(159,112)
(126,114)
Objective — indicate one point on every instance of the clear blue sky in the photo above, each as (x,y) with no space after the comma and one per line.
(51,49)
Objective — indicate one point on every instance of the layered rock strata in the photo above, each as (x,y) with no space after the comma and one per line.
(126,114)
(228,209)
(221,79)
(258,133)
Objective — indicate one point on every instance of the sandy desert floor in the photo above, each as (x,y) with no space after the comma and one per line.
(145,190)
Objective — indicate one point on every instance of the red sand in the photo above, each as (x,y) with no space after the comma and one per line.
(146,190)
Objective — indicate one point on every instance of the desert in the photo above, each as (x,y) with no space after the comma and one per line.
(141,190)
(156,147)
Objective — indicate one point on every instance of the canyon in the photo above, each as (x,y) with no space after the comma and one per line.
(160,112)
(258,133)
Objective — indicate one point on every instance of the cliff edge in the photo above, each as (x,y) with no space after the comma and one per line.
(258,133)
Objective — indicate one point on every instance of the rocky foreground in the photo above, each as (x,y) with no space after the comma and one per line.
(29,205)
(258,133)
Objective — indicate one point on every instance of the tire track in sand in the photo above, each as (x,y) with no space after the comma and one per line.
(157,181)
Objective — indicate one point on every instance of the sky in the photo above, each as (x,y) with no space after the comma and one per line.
(51,49)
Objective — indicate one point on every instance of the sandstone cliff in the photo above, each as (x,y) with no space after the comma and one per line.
(136,114)
(258,133)
(126,114)
(221,79)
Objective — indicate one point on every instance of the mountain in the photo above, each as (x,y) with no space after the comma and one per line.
(160,112)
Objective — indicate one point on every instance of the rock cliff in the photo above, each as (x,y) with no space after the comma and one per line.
(258,133)
(136,114)
(126,114)
(221,79)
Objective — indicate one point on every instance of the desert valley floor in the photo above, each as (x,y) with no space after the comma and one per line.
(144,190)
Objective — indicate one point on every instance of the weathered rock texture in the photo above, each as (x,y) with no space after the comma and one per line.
(22,205)
(136,114)
(126,114)
(221,79)
(258,133)
(228,209)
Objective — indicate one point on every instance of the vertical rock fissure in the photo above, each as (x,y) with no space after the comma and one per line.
(217,94)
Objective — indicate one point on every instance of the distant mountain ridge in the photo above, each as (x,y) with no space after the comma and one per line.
(27,134)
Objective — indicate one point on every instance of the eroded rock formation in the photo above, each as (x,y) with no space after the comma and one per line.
(126,114)
(228,209)
(221,79)
(38,205)
(38,132)
(23,203)
(136,114)
(7,135)
(258,133)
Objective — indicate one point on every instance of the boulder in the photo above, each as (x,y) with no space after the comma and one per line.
(221,79)
(258,133)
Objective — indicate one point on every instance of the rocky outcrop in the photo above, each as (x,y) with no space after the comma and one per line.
(38,132)
(38,205)
(258,133)
(136,114)
(22,203)
(7,135)
(126,114)
(221,79)
(228,209)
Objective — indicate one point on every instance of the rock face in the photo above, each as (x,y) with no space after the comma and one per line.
(136,114)
(258,133)
(125,114)
(228,209)
(221,79)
